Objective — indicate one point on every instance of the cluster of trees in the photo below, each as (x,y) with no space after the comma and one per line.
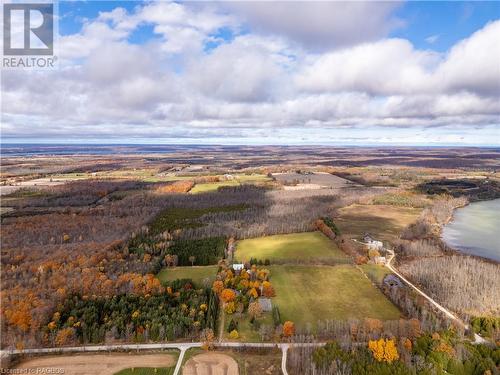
(205,251)
(75,193)
(177,312)
(239,290)
(488,326)
(426,354)
(427,225)
(462,283)
(175,187)
(418,248)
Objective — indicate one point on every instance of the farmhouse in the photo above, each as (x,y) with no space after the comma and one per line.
(371,243)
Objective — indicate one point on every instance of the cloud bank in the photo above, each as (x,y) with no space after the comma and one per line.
(273,78)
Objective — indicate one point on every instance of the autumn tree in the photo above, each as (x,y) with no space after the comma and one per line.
(254,309)
(384,350)
(218,286)
(227,295)
(288,328)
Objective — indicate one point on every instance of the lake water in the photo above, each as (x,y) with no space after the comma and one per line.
(475,229)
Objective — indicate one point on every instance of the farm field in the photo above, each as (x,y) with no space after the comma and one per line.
(212,186)
(196,273)
(238,180)
(321,180)
(296,247)
(105,364)
(306,294)
(384,222)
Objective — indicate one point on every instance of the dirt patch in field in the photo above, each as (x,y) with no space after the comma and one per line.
(211,364)
(102,364)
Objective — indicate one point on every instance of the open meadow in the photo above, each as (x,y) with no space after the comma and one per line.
(198,274)
(310,247)
(384,222)
(306,294)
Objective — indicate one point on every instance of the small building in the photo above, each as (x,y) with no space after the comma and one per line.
(238,266)
(392,281)
(371,243)
(266,304)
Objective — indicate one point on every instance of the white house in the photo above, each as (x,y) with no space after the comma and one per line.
(238,266)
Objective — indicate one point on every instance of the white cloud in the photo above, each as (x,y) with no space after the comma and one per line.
(394,66)
(257,83)
(321,24)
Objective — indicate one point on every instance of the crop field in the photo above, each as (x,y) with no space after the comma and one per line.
(384,222)
(196,273)
(292,248)
(306,294)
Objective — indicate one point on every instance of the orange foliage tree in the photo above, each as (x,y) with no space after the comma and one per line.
(288,328)
(228,295)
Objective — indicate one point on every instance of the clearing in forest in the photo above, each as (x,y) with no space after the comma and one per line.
(310,247)
(197,273)
(306,294)
(384,222)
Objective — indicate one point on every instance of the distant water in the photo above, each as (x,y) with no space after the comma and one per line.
(90,149)
(475,229)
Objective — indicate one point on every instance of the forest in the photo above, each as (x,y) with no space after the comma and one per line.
(99,239)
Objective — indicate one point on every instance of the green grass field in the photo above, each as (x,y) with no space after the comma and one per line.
(196,273)
(306,294)
(146,371)
(238,180)
(211,186)
(308,247)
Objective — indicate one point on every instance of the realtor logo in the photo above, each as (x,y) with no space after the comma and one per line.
(28,29)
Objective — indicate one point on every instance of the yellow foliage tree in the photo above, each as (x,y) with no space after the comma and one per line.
(383,350)
(234,335)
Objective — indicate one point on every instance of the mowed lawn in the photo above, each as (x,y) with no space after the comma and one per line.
(306,294)
(296,247)
(196,273)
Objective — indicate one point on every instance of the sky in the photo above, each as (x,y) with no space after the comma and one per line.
(360,73)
